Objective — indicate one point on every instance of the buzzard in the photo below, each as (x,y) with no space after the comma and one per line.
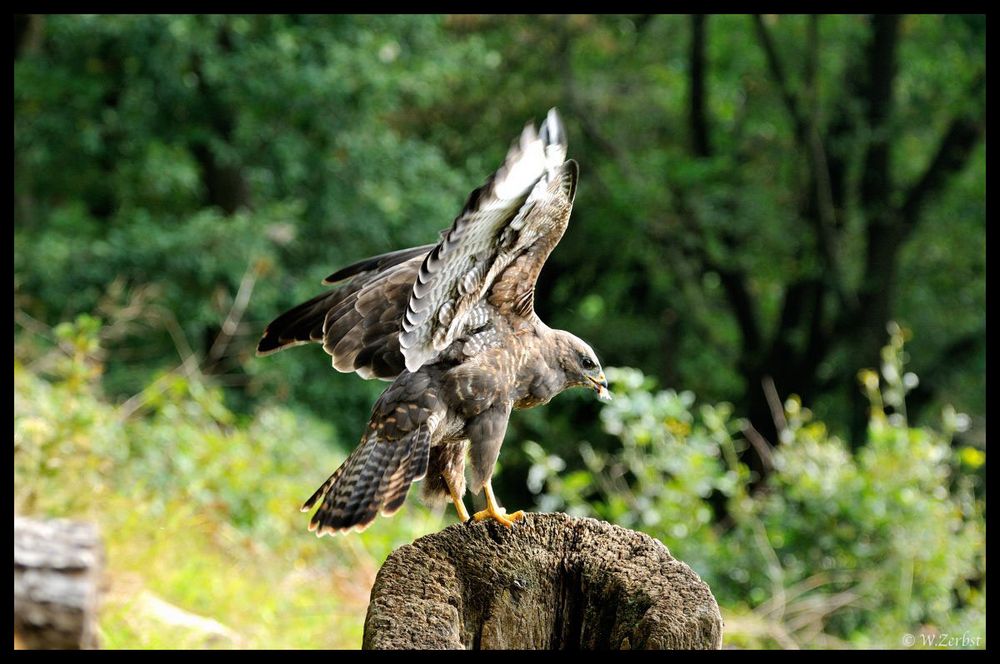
(453,326)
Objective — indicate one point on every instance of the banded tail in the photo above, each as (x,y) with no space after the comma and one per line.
(374,479)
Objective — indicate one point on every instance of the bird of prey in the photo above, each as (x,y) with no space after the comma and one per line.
(453,326)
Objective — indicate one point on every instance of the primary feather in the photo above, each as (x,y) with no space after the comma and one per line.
(479,244)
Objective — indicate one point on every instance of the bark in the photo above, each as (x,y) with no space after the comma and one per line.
(696,108)
(57,566)
(876,181)
(551,582)
(225,182)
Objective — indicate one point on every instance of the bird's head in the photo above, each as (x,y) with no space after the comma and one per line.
(580,365)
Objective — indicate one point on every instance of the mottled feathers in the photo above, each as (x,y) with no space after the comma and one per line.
(358,323)
(415,317)
(393,453)
(490,232)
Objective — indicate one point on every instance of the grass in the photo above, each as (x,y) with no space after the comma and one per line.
(264,598)
(205,544)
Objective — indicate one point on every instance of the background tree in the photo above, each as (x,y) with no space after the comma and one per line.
(759,197)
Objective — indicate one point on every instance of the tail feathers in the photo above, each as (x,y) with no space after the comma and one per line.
(375,478)
(413,468)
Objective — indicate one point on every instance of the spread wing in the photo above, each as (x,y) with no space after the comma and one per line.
(501,221)
(400,310)
(358,322)
(513,292)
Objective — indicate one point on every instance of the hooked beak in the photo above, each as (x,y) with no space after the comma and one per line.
(600,385)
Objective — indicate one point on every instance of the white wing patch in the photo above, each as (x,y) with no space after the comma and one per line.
(485,237)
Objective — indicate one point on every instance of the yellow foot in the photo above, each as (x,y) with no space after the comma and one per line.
(463,515)
(499,515)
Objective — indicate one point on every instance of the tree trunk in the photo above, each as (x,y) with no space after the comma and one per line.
(551,582)
(57,566)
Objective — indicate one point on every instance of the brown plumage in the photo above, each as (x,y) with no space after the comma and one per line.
(453,326)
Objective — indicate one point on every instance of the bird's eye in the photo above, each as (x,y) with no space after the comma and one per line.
(587,363)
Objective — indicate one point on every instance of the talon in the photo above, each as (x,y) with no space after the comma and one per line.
(495,512)
(497,515)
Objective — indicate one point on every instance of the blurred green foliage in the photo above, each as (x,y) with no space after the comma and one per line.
(198,506)
(181,180)
(838,547)
(178,154)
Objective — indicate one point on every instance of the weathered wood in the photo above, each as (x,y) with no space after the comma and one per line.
(57,566)
(551,582)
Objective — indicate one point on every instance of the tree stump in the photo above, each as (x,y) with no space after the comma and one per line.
(552,582)
(57,566)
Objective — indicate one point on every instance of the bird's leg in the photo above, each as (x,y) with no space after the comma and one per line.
(463,515)
(494,511)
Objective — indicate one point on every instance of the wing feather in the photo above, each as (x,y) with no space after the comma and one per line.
(513,290)
(357,322)
(486,237)
(399,310)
